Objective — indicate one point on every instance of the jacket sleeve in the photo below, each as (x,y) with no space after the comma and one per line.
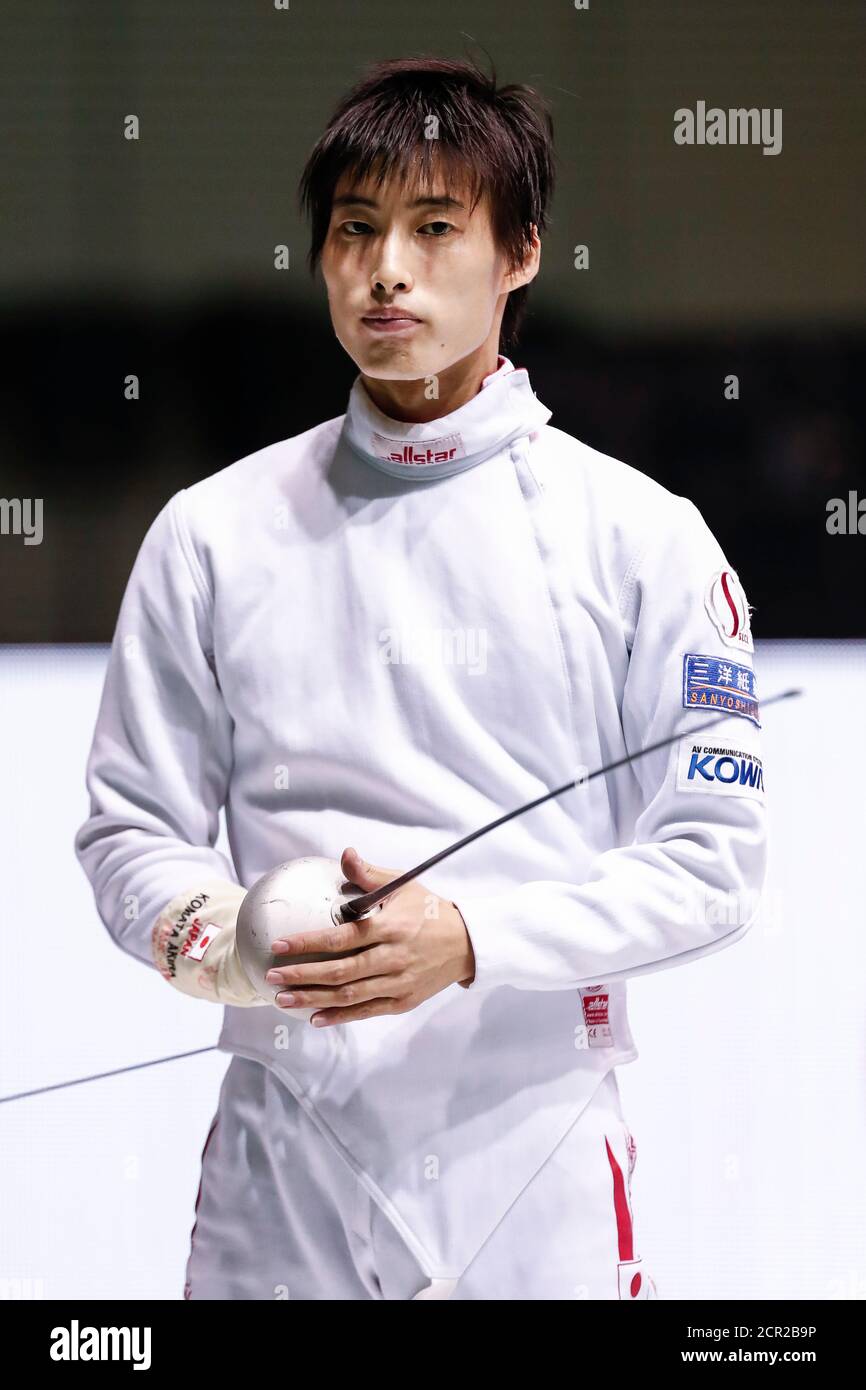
(690,880)
(159,763)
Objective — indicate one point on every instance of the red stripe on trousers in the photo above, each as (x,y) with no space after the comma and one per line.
(186,1288)
(624,1234)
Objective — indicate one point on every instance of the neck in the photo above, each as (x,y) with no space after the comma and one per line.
(410,401)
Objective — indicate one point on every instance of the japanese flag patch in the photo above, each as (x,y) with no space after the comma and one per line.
(198,941)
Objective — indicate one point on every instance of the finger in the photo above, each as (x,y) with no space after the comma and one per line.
(344,996)
(365,875)
(333,939)
(373,1009)
(373,960)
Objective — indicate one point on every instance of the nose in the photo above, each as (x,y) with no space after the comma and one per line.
(391,272)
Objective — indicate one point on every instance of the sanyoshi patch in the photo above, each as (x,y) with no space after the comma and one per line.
(719,768)
(712,683)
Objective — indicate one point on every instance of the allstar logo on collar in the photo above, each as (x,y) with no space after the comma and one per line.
(443,450)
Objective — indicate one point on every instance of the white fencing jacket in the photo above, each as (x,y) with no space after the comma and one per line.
(386,635)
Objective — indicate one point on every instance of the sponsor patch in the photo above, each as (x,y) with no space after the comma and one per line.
(712,683)
(199,940)
(728,608)
(719,768)
(596,1016)
(419,452)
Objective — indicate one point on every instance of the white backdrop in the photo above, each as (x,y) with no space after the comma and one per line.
(748,1101)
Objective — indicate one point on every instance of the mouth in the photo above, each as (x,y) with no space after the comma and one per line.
(390,323)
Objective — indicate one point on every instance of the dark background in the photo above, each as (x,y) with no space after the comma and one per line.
(156,257)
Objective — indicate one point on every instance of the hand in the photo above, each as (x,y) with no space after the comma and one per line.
(414,945)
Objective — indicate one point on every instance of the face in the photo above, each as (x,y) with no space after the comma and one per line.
(421,254)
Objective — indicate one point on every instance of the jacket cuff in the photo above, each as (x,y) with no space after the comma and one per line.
(506,948)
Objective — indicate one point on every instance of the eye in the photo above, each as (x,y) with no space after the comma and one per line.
(447,225)
(353,223)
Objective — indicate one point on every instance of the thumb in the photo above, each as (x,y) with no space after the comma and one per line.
(357,870)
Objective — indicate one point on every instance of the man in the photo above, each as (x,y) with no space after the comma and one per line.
(381,634)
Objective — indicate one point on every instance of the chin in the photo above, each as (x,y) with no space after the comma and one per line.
(390,363)
(384,371)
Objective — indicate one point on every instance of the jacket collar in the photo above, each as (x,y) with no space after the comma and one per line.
(504,409)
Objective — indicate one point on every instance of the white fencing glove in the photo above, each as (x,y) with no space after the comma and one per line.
(194,944)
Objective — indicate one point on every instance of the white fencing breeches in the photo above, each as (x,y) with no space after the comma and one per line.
(281,1215)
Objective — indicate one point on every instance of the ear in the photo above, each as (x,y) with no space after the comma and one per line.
(530,265)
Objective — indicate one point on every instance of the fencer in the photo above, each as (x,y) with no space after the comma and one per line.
(368,639)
